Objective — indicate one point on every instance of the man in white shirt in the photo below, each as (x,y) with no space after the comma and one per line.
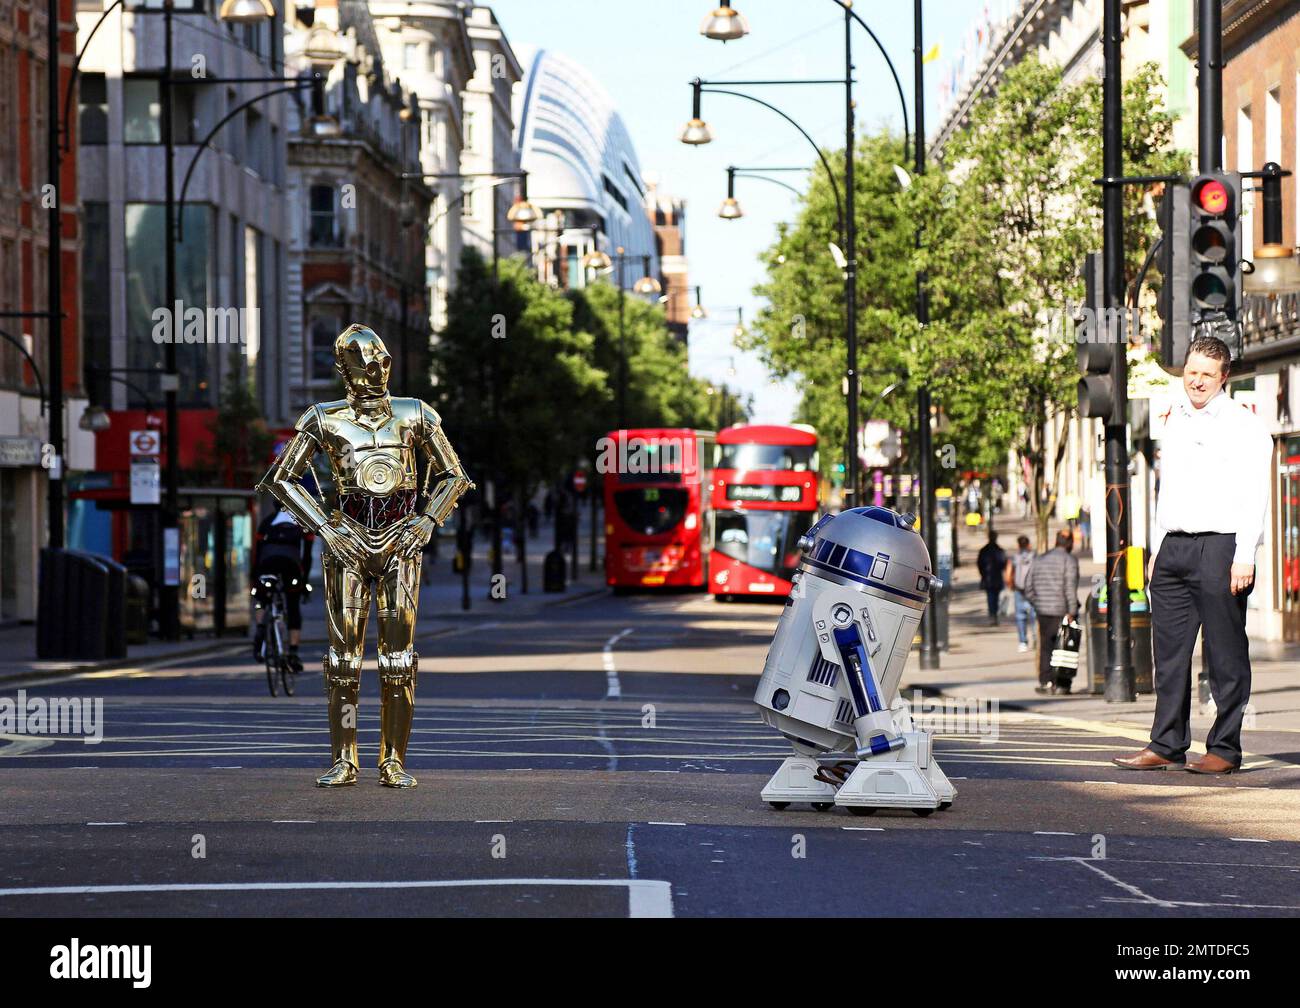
(1214,482)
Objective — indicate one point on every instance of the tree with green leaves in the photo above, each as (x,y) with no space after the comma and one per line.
(1010,218)
(1007,219)
(514,379)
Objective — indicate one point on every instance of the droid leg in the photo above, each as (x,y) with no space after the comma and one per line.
(347,603)
(895,767)
(799,779)
(398,597)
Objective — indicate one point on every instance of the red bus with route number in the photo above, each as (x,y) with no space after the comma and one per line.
(657,515)
(765,495)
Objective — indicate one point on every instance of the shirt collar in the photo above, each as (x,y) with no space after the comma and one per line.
(1211,409)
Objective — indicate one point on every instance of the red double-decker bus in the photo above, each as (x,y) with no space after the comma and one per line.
(765,497)
(657,519)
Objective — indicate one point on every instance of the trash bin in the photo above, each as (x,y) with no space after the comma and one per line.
(553,571)
(137,609)
(82,606)
(1140,653)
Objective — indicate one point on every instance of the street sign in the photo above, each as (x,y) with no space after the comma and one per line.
(145,442)
(579,482)
(146,481)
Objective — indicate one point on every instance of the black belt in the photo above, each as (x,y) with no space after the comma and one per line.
(1196,535)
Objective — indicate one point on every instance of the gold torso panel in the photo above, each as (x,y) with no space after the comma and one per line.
(371,454)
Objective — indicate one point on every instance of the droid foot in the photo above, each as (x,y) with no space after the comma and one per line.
(798,779)
(341,774)
(393,774)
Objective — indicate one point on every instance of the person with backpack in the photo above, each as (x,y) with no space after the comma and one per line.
(1017,574)
(284,550)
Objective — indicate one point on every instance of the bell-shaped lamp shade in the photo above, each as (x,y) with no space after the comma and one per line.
(597,260)
(730,209)
(724,24)
(523,214)
(246,11)
(647,285)
(696,132)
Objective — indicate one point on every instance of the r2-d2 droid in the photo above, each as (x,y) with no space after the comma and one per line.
(830,683)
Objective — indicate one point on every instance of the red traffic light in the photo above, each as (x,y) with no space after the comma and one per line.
(1212,196)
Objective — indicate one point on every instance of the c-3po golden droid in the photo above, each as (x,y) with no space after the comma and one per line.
(396,476)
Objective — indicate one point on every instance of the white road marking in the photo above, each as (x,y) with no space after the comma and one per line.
(105,824)
(613,689)
(645,897)
(652,823)
(1052,833)
(1132,889)
(1243,839)
(864,829)
(283,821)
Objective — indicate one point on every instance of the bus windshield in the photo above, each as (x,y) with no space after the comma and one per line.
(652,510)
(768,540)
(791,458)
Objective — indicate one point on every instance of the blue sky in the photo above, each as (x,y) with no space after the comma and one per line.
(645,53)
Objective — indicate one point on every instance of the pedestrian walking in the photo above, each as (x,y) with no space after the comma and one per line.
(1017,578)
(1214,484)
(1052,588)
(991,562)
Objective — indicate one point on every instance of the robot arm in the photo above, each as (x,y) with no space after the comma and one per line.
(445,481)
(282,479)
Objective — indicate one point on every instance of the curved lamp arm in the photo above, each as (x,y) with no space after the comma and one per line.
(764,178)
(76,69)
(295,86)
(839,207)
(40,382)
(888,62)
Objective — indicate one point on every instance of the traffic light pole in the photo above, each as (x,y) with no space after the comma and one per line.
(924,449)
(1209,84)
(1120,687)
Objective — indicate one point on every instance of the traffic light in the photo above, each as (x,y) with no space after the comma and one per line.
(1214,242)
(1174,304)
(1096,335)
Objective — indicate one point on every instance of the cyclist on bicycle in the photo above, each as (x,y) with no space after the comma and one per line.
(284,550)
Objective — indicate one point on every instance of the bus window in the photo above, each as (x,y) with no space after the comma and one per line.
(652,510)
(788,458)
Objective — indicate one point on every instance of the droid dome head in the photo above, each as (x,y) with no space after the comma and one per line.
(873,544)
(362,361)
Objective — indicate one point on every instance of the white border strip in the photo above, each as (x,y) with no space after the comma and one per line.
(645,897)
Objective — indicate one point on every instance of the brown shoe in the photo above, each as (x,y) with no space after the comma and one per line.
(1147,760)
(1211,764)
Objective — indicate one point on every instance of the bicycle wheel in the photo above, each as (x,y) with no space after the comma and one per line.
(286,677)
(272,671)
(281,633)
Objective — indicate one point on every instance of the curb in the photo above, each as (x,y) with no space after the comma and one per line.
(108,664)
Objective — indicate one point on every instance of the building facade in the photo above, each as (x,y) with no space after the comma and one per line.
(583,172)
(25,109)
(357,218)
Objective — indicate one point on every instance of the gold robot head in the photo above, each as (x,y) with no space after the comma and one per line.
(362,361)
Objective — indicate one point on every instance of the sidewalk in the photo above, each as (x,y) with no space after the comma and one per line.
(983,661)
(440,607)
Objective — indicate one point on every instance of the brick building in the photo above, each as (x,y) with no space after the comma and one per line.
(24,245)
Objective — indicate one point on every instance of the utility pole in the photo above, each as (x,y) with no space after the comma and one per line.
(924,449)
(850,271)
(1120,686)
(54,290)
(169,591)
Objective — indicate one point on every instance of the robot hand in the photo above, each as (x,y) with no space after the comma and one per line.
(416,535)
(340,543)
